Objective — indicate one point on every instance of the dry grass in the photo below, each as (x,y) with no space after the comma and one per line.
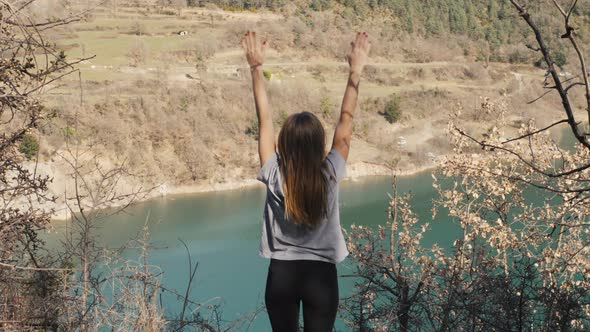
(181,115)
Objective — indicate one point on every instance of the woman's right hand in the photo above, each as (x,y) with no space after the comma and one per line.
(254,51)
(359,52)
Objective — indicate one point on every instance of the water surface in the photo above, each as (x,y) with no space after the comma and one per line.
(222,231)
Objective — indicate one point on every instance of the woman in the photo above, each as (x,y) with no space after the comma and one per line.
(301,232)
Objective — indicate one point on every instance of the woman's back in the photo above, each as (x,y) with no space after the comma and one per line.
(282,238)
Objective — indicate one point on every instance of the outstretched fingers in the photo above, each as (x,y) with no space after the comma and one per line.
(244,43)
(362,42)
(365,40)
(254,41)
(249,40)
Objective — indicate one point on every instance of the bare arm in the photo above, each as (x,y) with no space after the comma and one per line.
(255,56)
(357,58)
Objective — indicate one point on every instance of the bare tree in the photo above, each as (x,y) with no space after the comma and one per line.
(28,65)
(520,260)
(68,291)
(392,273)
(563,86)
(105,289)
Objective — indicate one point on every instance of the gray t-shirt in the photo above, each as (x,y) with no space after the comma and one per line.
(282,239)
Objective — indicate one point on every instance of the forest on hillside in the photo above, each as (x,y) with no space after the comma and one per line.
(493,22)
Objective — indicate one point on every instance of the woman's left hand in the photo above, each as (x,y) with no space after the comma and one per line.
(254,50)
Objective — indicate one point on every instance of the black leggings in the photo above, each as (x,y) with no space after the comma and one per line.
(289,283)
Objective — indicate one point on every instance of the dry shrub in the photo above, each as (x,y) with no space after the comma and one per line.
(234,32)
(196,158)
(197,50)
(441,74)
(475,71)
(138,53)
(416,73)
(439,144)
(137,28)
(517,254)
(372,105)
(178,129)
(518,54)
(466,72)
(279,33)
(370,72)
(294,97)
(318,72)
(497,75)
(416,56)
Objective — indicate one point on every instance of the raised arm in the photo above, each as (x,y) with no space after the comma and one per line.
(255,52)
(357,57)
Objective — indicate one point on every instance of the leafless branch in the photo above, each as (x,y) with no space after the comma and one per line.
(536,131)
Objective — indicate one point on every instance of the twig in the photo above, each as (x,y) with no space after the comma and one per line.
(535,132)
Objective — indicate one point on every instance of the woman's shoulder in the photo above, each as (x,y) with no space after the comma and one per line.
(269,170)
(336,164)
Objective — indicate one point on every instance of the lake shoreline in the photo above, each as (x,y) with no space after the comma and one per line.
(356,172)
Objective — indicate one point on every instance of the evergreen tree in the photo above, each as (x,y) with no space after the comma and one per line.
(457,18)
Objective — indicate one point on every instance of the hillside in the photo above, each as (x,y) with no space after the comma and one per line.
(167,92)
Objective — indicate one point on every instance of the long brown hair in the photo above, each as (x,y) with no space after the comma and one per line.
(302,144)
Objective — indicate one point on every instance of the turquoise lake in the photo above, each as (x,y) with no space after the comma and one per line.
(222,231)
